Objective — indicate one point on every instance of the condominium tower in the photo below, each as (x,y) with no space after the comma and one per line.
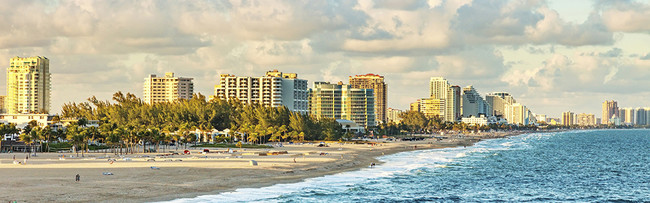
(274,89)
(167,89)
(474,104)
(610,109)
(586,119)
(439,88)
(379,87)
(567,118)
(28,85)
(341,101)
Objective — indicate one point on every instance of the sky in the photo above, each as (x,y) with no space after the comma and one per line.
(552,56)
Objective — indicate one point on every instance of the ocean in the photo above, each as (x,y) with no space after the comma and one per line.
(583,166)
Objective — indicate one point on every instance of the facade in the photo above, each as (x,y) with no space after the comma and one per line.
(2,104)
(28,85)
(440,89)
(642,116)
(167,89)
(272,90)
(627,116)
(586,119)
(481,120)
(498,102)
(394,115)
(518,114)
(610,109)
(21,120)
(415,106)
(431,107)
(380,89)
(473,104)
(540,117)
(568,118)
(340,101)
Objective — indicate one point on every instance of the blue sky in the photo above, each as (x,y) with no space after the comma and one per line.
(553,56)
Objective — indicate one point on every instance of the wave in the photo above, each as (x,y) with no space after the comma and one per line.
(404,163)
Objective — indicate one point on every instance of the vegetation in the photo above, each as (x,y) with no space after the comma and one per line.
(129,122)
(417,122)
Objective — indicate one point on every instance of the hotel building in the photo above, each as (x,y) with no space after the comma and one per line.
(167,89)
(28,85)
(274,89)
(341,101)
(567,118)
(380,89)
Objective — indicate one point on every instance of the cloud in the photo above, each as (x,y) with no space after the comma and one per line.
(626,16)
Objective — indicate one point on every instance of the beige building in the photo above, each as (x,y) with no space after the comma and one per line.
(28,85)
(627,116)
(498,102)
(393,115)
(274,89)
(518,114)
(341,101)
(610,109)
(167,89)
(439,88)
(584,119)
(568,118)
(380,89)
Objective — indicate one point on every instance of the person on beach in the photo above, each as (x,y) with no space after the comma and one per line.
(77,177)
(294,160)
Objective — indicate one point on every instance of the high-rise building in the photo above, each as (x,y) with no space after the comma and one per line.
(272,90)
(518,114)
(167,89)
(567,118)
(380,89)
(340,101)
(498,101)
(586,119)
(393,115)
(642,116)
(627,116)
(473,104)
(610,109)
(439,88)
(28,85)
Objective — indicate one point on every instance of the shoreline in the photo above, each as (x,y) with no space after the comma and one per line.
(45,178)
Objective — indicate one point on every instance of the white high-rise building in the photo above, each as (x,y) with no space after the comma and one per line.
(272,90)
(439,88)
(474,104)
(167,89)
(28,85)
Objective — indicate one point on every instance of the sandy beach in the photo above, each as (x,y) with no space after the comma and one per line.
(148,177)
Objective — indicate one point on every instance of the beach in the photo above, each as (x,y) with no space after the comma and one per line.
(105,177)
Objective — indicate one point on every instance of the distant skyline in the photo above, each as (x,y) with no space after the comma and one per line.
(552,56)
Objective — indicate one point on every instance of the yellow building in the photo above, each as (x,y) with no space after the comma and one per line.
(340,101)
(28,85)
(415,106)
(431,107)
(379,87)
(167,89)
(2,104)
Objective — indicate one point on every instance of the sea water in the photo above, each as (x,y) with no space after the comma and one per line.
(584,166)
